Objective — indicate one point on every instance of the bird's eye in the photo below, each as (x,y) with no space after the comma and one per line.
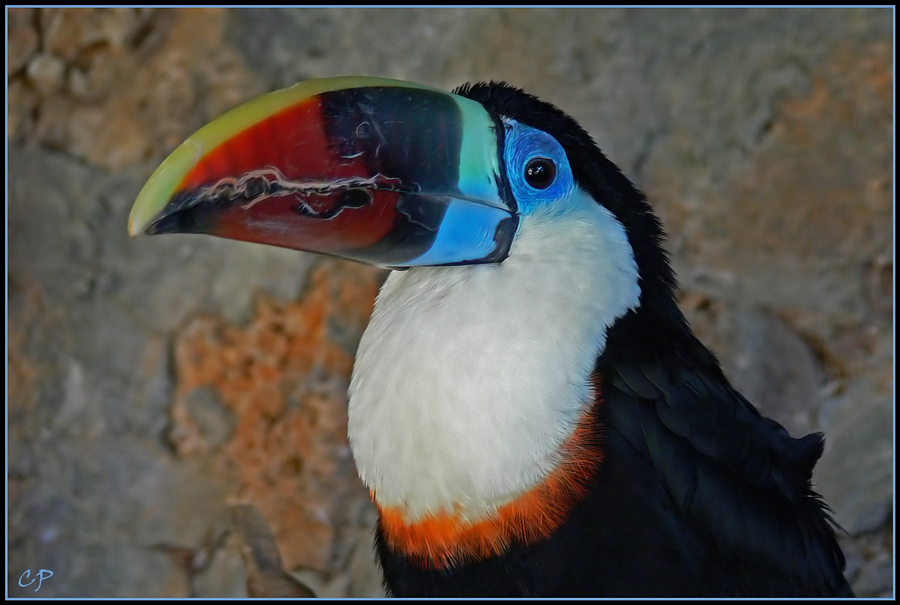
(540,173)
(537,167)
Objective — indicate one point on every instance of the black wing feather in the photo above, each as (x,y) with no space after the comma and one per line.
(734,476)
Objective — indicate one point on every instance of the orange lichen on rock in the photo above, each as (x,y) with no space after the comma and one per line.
(282,379)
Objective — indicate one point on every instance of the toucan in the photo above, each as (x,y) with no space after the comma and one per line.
(528,408)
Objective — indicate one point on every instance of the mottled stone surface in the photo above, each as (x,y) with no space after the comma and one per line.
(152,382)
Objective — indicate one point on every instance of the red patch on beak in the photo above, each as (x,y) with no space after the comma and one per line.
(293,189)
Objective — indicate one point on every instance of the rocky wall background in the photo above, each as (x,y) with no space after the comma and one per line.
(153,382)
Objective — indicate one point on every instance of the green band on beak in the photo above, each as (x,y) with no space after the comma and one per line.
(375,170)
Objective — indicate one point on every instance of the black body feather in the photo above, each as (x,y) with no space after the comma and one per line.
(698,494)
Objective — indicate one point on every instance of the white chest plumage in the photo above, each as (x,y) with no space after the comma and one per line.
(468,378)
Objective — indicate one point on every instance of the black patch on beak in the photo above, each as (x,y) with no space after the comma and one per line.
(397,134)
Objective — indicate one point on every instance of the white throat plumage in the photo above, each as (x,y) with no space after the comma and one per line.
(469,378)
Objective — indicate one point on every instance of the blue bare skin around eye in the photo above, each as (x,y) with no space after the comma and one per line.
(524,143)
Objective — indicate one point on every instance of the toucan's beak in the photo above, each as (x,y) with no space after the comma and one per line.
(379,171)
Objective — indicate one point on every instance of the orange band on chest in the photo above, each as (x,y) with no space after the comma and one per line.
(439,541)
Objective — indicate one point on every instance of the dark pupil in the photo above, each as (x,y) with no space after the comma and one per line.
(540,173)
